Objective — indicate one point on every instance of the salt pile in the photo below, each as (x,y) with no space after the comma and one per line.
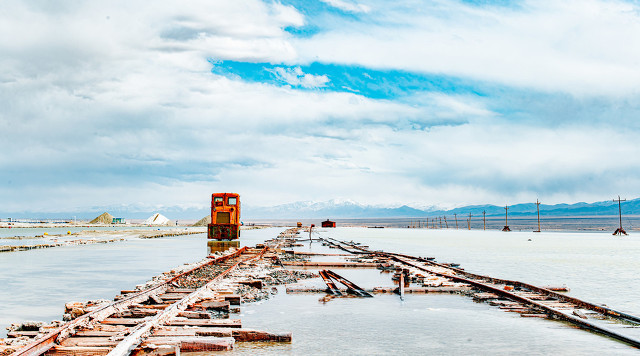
(157,219)
(105,218)
(204,221)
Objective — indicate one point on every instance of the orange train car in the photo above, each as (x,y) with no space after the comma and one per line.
(225,216)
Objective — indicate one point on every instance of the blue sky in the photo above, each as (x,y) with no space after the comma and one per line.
(426,103)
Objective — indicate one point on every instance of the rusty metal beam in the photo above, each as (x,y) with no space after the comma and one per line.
(40,346)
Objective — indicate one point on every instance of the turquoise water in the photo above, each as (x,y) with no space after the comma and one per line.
(599,268)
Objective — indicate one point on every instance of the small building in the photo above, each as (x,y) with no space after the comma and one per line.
(118,221)
(328,223)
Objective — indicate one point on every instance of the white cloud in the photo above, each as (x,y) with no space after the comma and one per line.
(580,47)
(348,6)
(295,76)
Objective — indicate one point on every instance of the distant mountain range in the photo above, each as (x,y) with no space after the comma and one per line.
(350,209)
(345,209)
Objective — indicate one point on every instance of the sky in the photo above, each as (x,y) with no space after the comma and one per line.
(426,103)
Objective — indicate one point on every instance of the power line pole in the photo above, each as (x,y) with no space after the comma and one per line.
(445,222)
(456,217)
(506,219)
(484,220)
(440,219)
(538,208)
(620,231)
(469,222)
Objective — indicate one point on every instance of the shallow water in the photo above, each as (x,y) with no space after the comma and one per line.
(597,267)
(39,231)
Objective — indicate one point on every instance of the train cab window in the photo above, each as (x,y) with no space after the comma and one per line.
(232,201)
(217,200)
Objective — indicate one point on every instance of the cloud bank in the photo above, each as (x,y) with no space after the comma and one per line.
(433,103)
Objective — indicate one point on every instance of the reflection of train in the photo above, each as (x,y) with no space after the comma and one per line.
(225,216)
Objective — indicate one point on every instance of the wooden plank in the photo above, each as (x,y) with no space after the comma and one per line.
(95,333)
(123,321)
(89,342)
(249,335)
(197,343)
(240,335)
(194,315)
(78,351)
(171,296)
(193,331)
(132,341)
(227,323)
(331,264)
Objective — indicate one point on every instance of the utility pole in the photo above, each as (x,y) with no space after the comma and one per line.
(484,220)
(440,219)
(445,222)
(620,231)
(456,216)
(538,208)
(469,222)
(506,221)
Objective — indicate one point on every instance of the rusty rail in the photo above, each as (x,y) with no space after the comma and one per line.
(478,282)
(351,287)
(41,346)
(132,341)
(331,287)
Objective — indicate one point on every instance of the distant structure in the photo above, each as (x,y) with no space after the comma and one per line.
(328,223)
(538,208)
(484,220)
(118,221)
(506,221)
(620,231)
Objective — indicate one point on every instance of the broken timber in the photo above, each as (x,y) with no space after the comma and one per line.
(529,300)
(128,325)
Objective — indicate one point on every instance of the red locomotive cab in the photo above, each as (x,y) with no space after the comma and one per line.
(225,216)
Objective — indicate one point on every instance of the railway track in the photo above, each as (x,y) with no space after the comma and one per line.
(509,295)
(172,316)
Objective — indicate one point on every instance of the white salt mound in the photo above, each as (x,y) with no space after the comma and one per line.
(157,219)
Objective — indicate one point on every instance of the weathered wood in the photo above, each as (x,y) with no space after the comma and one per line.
(89,342)
(171,296)
(331,264)
(194,315)
(233,299)
(96,333)
(383,290)
(78,351)
(214,305)
(157,350)
(228,323)
(197,343)
(524,315)
(254,283)
(135,338)
(123,321)
(180,290)
(193,331)
(257,335)
(156,299)
(240,335)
